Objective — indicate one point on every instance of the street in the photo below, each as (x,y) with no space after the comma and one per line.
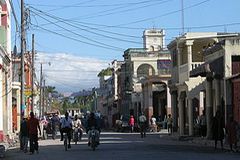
(121,146)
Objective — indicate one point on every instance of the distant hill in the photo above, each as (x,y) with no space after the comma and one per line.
(81,93)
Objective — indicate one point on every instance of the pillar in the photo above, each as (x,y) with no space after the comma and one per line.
(189,44)
(218,93)
(209,106)
(174,109)
(169,102)
(181,117)
(190,115)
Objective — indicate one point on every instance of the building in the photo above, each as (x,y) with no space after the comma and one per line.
(222,69)
(144,68)
(189,95)
(5,67)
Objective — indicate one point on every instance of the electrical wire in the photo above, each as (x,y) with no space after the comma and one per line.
(89,31)
(166,14)
(97,42)
(77,40)
(100,14)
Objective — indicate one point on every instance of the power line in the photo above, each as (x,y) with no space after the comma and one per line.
(77,40)
(78,5)
(77,26)
(163,15)
(99,14)
(99,43)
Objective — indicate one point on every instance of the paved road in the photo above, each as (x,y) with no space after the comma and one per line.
(125,146)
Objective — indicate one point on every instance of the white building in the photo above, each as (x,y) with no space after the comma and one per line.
(5,67)
(143,70)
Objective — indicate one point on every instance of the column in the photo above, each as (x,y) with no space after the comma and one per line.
(218,93)
(201,102)
(189,44)
(209,106)
(190,115)
(174,109)
(169,104)
(18,95)
(181,117)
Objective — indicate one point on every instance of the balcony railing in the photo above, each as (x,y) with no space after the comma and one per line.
(195,65)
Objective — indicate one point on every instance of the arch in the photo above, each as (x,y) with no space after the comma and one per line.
(145,70)
(151,48)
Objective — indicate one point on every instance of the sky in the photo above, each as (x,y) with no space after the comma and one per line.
(80,38)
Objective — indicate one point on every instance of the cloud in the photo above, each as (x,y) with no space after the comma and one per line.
(68,72)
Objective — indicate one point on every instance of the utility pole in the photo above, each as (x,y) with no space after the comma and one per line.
(43,97)
(42,86)
(40,106)
(182,5)
(22,58)
(33,71)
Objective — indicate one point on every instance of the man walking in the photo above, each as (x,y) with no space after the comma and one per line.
(33,127)
(142,123)
(24,135)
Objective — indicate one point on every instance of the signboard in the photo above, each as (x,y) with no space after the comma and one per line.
(164,64)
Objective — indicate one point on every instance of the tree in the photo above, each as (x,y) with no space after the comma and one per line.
(105,72)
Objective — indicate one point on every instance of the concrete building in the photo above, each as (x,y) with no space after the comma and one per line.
(141,65)
(5,67)
(222,69)
(189,96)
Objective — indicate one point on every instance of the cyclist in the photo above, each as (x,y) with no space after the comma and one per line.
(66,127)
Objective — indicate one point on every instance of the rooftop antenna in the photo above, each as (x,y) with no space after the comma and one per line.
(154,25)
(182,8)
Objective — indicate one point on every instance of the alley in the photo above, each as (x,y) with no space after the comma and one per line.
(121,146)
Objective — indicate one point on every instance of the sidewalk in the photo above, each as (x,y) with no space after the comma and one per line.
(201,141)
(4,146)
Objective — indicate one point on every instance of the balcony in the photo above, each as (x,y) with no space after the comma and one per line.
(184,73)
(195,65)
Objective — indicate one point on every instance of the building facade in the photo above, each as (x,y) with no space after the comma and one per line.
(140,65)
(5,67)
(189,93)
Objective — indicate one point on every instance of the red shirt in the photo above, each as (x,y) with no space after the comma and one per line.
(131,121)
(33,125)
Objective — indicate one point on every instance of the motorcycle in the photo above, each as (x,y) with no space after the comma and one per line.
(77,134)
(94,138)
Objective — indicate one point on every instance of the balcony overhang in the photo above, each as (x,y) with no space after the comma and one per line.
(215,66)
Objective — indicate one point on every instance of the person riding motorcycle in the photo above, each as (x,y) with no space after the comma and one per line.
(66,127)
(77,126)
(92,123)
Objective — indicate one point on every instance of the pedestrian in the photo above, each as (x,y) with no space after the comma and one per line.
(54,121)
(203,124)
(33,127)
(131,123)
(218,129)
(153,124)
(231,130)
(170,124)
(24,135)
(142,124)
